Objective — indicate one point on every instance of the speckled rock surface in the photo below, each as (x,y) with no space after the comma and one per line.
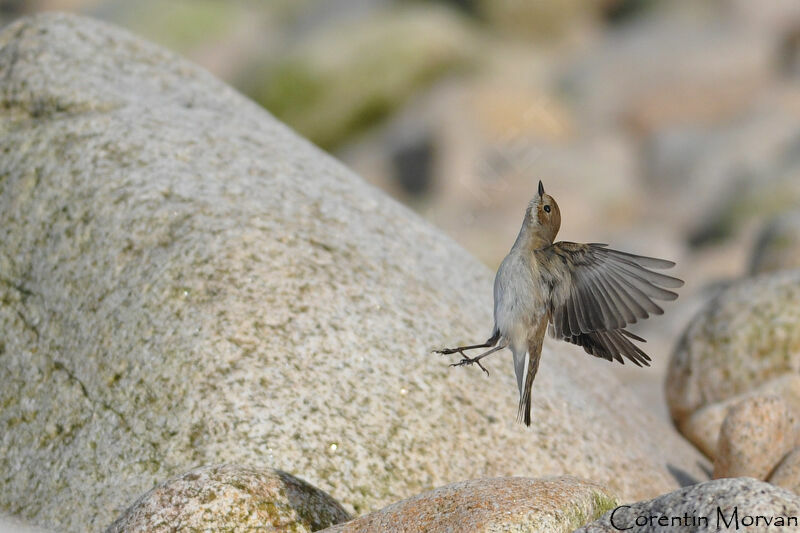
(787,473)
(553,505)
(187,282)
(755,435)
(702,427)
(231,497)
(747,335)
(12,525)
(778,245)
(730,504)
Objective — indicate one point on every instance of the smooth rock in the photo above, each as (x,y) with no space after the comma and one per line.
(747,335)
(787,473)
(719,505)
(186,281)
(702,427)
(553,505)
(755,435)
(231,497)
(778,245)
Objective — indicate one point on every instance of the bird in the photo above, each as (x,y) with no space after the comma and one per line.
(584,294)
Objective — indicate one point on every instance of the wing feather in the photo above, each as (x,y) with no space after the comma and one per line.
(612,346)
(616,311)
(604,303)
(596,292)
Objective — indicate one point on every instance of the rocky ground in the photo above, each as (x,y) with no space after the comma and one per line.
(209,322)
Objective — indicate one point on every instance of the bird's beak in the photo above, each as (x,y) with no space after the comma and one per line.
(541,188)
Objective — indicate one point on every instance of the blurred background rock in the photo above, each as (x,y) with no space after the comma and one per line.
(666,128)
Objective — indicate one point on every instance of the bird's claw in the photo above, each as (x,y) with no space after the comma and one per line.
(467,361)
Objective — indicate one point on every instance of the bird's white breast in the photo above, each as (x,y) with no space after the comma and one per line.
(519,299)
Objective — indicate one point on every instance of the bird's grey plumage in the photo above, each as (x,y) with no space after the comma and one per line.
(587,294)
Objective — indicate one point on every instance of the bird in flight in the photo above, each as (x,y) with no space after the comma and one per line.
(586,294)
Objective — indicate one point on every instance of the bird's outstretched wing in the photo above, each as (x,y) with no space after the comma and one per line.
(596,291)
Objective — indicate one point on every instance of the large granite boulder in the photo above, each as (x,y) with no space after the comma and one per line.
(185,281)
(552,505)
(731,504)
(749,334)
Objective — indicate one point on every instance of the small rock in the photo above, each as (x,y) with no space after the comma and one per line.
(554,504)
(702,427)
(778,245)
(754,194)
(735,504)
(755,435)
(747,335)
(787,473)
(412,161)
(231,497)
(328,89)
(541,20)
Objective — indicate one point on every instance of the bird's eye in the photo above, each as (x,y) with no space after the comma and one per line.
(547,209)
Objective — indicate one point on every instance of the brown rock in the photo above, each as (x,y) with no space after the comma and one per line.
(702,427)
(555,504)
(231,498)
(787,473)
(756,434)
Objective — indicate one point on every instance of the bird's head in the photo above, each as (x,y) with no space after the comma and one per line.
(543,215)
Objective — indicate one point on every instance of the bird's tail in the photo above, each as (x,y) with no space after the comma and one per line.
(524,412)
(526,368)
(519,364)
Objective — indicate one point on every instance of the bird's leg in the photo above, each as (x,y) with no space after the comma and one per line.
(490,342)
(468,361)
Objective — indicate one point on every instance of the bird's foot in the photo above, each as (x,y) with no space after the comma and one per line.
(469,361)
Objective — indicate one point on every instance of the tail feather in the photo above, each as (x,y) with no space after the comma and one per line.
(524,411)
(520,364)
